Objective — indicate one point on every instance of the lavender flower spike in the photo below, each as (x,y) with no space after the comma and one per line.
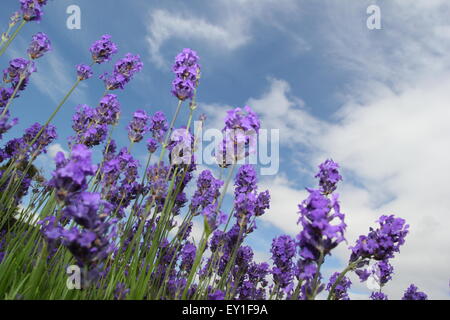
(103,49)
(138,126)
(84,72)
(39,45)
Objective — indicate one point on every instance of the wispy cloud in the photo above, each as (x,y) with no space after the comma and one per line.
(226,29)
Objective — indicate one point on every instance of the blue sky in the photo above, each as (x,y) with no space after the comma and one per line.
(373,100)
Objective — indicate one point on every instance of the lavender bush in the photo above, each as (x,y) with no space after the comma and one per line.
(128,229)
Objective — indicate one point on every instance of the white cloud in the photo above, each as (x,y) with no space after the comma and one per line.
(165,25)
(54,149)
(229,29)
(54,77)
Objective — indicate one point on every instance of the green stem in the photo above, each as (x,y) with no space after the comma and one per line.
(351,266)
(172,123)
(13,36)
(16,89)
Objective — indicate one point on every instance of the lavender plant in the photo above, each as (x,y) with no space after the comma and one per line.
(128,230)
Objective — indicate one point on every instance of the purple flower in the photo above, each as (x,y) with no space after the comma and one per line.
(187,256)
(208,191)
(283,251)
(31,9)
(82,117)
(19,71)
(124,71)
(317,213)
(378,296)
(412,293)
(187,74)
(5,95)
(213,217)
(246,180)
(382,243)
(5,124)
(129,65)
(328,176)
(46,137)
(181,147)
(40,44)
(247,201)
(323,229)
(340,291)
(138,126)
(262,203)
(69,178)
(183,89)
(121,291)
(83,209)
(84,72)
(240,136)
(108,111)
(152,145)
(93,240)
(158,126)
(103,49)
(217,295)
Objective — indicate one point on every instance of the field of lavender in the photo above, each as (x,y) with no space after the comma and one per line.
(114,225)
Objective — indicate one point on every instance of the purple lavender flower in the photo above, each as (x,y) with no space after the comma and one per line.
(183,89)
(240,136)
(138,126)
(412,293)
(31,9)
(385,270)
(5,95)
(82,117)
(129,65)
(91,125)
(47,136)
(40,44)
(181,147)
(108,111)
(217,295)
(94,241)
(208,191)
(124,71)
(378,296)
(246,180)
(84,72)
(5,124)
(69,178)
(283,251)
(84,210)
(152,145)
(262,203)
(187,256)
(319,234)
(121,291)
(253,287)
(328,176)
(19,71)
(103,49)
(187,72)
(213,217)
(340,291)
(247,202)
(159,126)
(382,243)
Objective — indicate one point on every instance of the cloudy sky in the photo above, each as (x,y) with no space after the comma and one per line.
(376,101)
